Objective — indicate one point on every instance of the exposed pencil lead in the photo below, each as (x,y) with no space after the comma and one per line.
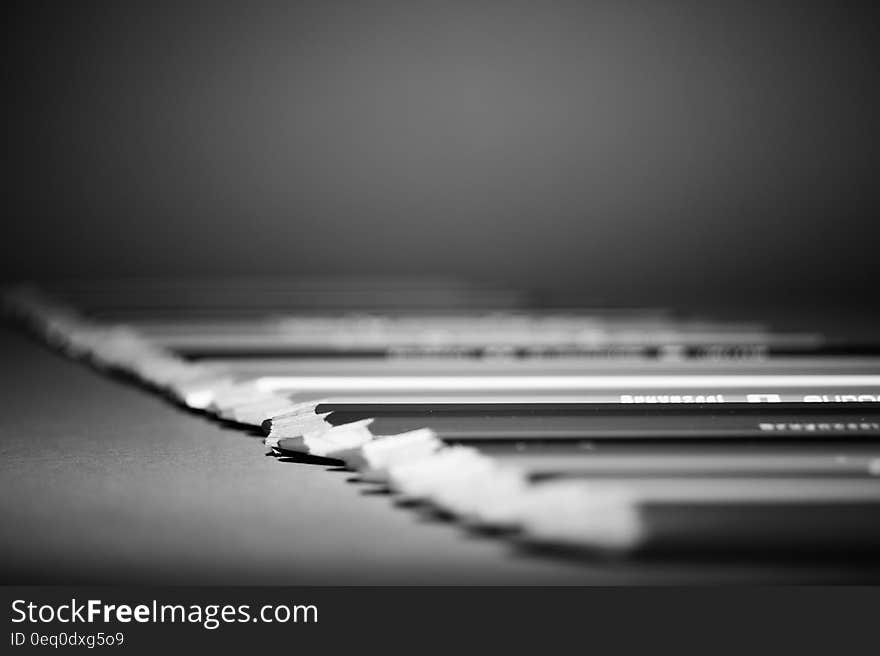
(329,442)
(296,425)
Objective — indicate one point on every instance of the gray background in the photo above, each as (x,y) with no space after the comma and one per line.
(668,151)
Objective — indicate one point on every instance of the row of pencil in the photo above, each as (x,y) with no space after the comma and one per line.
(416,464)
(475,487)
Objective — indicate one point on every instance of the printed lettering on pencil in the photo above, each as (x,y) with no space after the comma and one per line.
(842,398)
(796,426)
(672,398)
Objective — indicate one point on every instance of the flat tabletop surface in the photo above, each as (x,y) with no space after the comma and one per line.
(103,482)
